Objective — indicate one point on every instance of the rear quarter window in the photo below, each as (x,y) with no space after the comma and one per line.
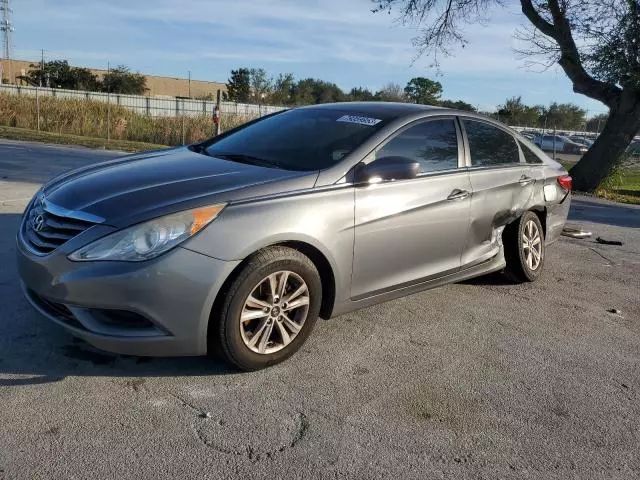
(529,155)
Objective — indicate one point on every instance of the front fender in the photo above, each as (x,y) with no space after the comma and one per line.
(322,218)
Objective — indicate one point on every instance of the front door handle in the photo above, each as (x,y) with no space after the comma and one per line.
(525,180)
(458,194)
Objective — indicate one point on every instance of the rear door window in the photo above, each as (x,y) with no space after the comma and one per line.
(490,146)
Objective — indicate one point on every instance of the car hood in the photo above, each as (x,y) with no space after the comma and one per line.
(136,187)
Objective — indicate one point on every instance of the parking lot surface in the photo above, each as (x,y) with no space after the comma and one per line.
(483,379)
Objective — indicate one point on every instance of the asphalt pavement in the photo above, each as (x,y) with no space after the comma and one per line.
(482,379)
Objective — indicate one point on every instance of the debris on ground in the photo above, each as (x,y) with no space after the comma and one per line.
(206,415)
(575,232)
(608,242)
(614,310)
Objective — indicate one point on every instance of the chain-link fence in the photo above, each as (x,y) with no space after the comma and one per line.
(158,120)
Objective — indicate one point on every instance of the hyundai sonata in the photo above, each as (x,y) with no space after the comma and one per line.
(238,244)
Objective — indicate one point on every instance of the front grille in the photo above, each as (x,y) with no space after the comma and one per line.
(45,231)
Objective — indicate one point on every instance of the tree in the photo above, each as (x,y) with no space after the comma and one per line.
(422,90)
(511,110)
(59,74)
(121,80)
(458,105)
(391,92)
(239,85)
(303,92)
(595,42)
(566,116)
(312,91)
(282,93)
(55,73)
(260,85)
(595,123)
(84,79)
(359,94)
(514,112)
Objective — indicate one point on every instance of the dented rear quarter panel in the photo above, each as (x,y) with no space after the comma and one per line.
(557,210)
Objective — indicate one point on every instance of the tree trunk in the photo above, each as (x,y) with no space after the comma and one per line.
(622,125)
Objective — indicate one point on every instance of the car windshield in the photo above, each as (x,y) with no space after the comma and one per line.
(304,139)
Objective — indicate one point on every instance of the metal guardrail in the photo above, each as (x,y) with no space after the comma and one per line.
(551,131)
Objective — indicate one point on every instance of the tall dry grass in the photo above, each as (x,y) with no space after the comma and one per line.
(89,118)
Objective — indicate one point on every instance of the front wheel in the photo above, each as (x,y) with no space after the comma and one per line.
(269,310)
(524,248)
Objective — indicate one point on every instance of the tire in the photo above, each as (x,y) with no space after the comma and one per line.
(521,265)
(259,342)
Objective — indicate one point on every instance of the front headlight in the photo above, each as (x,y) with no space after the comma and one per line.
(149,239)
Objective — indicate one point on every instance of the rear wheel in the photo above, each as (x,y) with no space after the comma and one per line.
(269,310)
(524,248)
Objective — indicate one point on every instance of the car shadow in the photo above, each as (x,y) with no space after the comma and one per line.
(584,209)
(495,278)
(33,350)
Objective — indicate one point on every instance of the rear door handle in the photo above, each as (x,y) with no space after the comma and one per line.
(525,180)
(458,194)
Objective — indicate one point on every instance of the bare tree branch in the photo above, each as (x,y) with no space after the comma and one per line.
(569,59)
(536,19)
(595,42)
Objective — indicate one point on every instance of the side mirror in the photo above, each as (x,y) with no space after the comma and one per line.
(387,169)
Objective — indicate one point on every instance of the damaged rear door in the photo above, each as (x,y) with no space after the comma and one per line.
(502,186)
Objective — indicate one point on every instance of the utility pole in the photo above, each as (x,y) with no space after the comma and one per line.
(216,114)
(108,102)
(38,89)
(6,27)
(189,84)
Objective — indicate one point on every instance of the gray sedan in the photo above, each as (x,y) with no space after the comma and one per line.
(238,244)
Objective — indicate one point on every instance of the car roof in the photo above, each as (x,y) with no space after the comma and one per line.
(380,109)
(396,110)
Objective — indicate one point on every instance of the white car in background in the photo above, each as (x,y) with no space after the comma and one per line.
(587,142)
(559,143)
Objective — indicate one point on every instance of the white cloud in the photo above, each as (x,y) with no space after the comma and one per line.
(338,40)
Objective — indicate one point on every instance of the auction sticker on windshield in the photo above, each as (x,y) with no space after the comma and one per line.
(358,119)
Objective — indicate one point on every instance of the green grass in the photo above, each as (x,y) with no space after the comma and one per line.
(13,133)
(567,165)
(619,197)
(630,180)
(623,185)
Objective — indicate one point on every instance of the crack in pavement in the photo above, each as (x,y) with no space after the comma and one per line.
(611,263)
(190,405)
(300,431)
(302,426)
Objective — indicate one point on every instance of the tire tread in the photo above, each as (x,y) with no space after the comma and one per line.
(256,261)
(515,269)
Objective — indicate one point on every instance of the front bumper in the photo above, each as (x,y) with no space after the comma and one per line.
(169,298)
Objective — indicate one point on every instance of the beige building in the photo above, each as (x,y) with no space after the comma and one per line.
(156,85)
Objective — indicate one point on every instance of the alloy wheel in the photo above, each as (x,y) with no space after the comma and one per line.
(532,245)
(274,312)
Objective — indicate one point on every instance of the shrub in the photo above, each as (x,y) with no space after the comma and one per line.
(89,118)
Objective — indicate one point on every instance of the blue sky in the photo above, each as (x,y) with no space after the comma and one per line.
(336,40)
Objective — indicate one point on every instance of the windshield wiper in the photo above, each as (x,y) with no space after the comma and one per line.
(248,159)
(197,148)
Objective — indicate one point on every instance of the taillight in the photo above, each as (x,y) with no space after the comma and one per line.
(565,182)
